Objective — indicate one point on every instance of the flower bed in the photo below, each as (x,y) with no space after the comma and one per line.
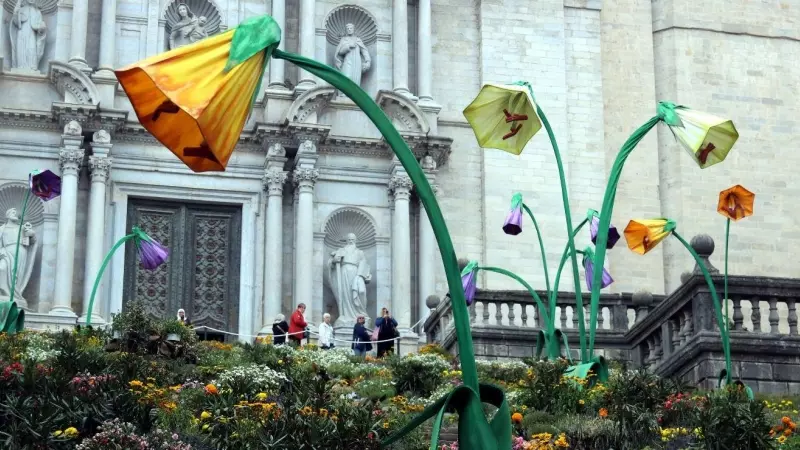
(65,391)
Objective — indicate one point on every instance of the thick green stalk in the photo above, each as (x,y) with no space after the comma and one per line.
(99,275)
(725,292)
(576,278)
(726,344)
(554,293)
(424,192)
(530,289)
(605,219)
(541,245)
(19,240)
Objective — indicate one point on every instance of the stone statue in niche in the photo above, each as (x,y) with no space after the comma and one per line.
(27,254)
(188,30)
(352,56)
(28,33)
(349,275)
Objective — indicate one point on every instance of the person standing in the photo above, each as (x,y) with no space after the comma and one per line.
(387,331)
(297,325)
(182,318)
(326,333)
(361,338)
(279,330)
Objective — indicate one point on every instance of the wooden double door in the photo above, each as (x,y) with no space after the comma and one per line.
(202,272)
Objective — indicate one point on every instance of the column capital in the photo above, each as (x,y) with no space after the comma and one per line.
(305,178)
(273,181)
(100,167)
(70,160)
(400,185)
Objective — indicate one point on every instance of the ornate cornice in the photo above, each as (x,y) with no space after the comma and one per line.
(308,132)
(100,167)
(70,160)
(273,181)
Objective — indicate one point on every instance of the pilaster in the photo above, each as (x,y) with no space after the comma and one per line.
(274,179)
(400,188)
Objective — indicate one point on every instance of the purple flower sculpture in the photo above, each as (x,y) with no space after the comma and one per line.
(513,224)
(151,253)
(468,281)
(594,228)
(588,267)
(44,184)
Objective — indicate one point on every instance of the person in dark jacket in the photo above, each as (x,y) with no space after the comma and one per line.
(387,331)
(279,330)
(361,338)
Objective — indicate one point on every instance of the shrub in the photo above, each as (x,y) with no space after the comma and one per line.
(418,374)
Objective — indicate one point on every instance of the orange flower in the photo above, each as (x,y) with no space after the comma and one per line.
(211,389)
(603,413)
(642,235)
(787,432)
(736,202)
(516,417)
(786,420)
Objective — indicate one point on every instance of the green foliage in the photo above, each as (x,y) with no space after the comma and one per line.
(417,375)
(729,420)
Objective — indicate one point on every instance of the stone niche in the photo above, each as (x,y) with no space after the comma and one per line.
(358,29)
(339,224)
(189,21)
(28,45)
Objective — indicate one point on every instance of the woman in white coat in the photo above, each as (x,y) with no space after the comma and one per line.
(326,333)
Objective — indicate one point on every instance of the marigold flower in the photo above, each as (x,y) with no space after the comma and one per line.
(736,203)
(516,417)
(211,389)
(603,413)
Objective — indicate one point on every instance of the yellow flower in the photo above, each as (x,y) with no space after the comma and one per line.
(280,362)
(57,433)
(642,235)
(581,402)
(135,384)
(323,412)
(503,117)
(205,427)
(205,415)
(706,137)
(385,425)
(261,396)
(71,432)
(781,439)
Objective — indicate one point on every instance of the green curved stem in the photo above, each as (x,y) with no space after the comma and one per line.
(541,245)
(554,293)
(427,198)
(576,278)
(99,276)
(530,289)
(726,344)
(605,219)
(725,292)
(19,240)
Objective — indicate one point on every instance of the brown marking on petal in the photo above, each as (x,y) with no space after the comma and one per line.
(166,107)
(514,117)
(703,155)
(203,151)
(513,132)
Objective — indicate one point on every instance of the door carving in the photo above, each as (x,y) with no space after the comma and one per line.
(201,274)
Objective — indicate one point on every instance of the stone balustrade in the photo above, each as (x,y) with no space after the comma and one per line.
(674,336)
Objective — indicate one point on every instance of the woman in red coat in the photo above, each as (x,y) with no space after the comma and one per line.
(297,325)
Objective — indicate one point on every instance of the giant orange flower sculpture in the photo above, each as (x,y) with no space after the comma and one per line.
(736,202)
(643,235)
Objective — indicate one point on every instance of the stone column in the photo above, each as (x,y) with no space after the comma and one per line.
(100,165)
(108,33)
(307,41)
(304,179)
(400,46)
(80,19)
(400,187)
(277,76)
(424,58)
(274,178)
(70,158)
(426,279)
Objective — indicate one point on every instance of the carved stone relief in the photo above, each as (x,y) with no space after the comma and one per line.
(27,31)
(190,21)
(11,198)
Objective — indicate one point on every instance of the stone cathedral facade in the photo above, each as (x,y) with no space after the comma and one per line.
(311,171)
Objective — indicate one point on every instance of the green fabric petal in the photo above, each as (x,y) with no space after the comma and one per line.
(666,112)
(252,36)
(472,266)
(12,318)
(516,201)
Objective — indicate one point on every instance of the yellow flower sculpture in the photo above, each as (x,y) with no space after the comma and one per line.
(642,235)
(736,202)
(706,137)
(195,99)
(503,117)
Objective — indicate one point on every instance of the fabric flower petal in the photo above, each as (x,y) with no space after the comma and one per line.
(469,282)
(44,184)
(736,202)
(513,223)
(643,235)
